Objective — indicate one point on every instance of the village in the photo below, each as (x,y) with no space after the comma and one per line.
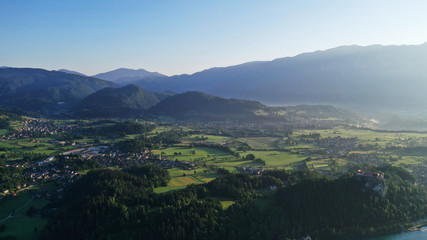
(50,169)
(35,128)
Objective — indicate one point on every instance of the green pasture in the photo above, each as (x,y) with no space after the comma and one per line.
(26,145)
(233,163)
(24,227)
(179,181)
(410,160)
(276,158)
(210,138)
(366,136)
(21,225)
(10,203)
(260,142)
(202,154)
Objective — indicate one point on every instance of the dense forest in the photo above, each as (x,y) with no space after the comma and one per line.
(115,204)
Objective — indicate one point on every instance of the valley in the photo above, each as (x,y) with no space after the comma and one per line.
(43,158)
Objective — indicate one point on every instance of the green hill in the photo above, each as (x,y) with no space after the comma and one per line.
(45,91)
(116,102)
(201,105)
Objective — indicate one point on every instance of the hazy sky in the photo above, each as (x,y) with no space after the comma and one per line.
(180,36)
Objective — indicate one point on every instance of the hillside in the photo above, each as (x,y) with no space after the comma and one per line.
(116,102)
(200,105)
(71,72)
(367,77)
(124,76)
(45,91)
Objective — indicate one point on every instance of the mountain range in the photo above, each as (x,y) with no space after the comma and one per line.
(374,77)
(45,91)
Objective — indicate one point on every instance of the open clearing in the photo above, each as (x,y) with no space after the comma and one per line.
(179,180)
(260,142)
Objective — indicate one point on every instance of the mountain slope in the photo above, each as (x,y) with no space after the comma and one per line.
(124,75)
(45,91)
(71,72)
(351,76)
(116,102)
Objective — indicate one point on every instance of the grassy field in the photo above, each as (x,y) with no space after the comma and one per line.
(276,158)
(21,225)
(259,142)
(24,227)
(210,138)
(199,175)
(26,145)
(202,154)
(367,136)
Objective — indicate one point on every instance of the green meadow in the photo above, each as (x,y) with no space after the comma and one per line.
(182,178)
(276,158)
(260,142)
(207,138)
(20,224)
(196,154)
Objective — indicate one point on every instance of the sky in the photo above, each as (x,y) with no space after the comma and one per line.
(177,37)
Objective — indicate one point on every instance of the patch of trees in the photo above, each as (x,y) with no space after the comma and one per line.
(134,145)
(10,177)
(169,137)
(156,175)
(4,123)
(141,143)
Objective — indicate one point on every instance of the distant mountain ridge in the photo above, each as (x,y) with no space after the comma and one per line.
(45,91)
(71,72)
(124,76)
(350,76)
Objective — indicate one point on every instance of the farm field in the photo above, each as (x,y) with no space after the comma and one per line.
(201,154)
(260,142)
(21,225)
(180,181)
(207,138)
(366,136)
(276,158)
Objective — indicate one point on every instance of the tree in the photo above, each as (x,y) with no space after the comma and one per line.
(250,156)
(31,211)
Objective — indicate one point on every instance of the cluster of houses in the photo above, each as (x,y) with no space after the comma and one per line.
(32,128)
(252,170)
(37,172)
(337,146)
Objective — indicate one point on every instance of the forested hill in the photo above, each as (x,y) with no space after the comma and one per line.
(191,105)
(116,102)
(114,204)
(45,91)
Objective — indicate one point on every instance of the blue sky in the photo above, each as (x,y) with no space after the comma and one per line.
(175,37)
